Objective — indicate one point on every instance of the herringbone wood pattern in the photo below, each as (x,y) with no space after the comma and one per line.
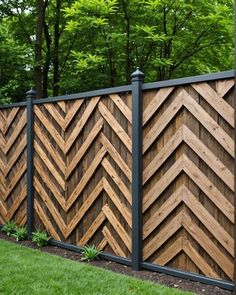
(188,178)
(13,165)
(83,171)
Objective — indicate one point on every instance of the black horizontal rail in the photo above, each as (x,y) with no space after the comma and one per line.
(188,275)
(189,80)
(84,95)
(13,105)
(103,255)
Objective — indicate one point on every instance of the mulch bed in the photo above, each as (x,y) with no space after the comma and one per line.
(170,281)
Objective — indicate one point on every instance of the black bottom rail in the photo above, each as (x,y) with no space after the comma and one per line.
(153,267)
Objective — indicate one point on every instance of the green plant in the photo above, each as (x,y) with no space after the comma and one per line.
(9,228)
(20,233)
(90,253)
(41,238)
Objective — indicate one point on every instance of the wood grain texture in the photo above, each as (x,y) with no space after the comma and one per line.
(188,178)
(13,165)
(83,173)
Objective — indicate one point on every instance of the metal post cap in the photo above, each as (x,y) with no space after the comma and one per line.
(31,93)
(137,75)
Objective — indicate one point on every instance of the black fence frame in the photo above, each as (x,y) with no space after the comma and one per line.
(136,88)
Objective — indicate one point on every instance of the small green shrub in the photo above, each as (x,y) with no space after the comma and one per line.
(9,228)
(20,233)
(90,253)
(41,238)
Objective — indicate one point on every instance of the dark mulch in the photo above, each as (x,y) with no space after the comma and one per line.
(170,281)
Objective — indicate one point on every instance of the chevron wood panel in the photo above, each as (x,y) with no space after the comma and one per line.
(13,165)
(188,178)
(82,177)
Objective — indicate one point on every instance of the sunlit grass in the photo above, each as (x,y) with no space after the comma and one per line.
(26,271)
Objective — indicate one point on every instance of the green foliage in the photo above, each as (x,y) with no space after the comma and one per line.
(41,238)
(20,233)
(9,228)
(90,253)
(98,43)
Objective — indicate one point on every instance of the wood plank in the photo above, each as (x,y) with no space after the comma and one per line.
(116,156)
(208,157)
(151,196)
(162,236)
(3,210)
(50,185)
(102,244)
(92,229)
(62,105)
(87,203)
(50,128)
(15,179)
(22,218)
(72,111)
(16,203)
(2,167)
(209,221)
(124,211)
(209,123)
(45,220)
(169,253)
(117,226)
(155,103)
(9,119)
(163,211)
(15,134)
(208,188)
(84,147)
(85,179)
(125,110)
(117,180)
(2,121)
(50,148)
(120,132)
(81,123)
(51,208)
(112,242)
(223,86)
(216,101)
(213,251)
(162,122)
(163,155)
(15,156)
(199,261)
(2,143)
(51,168)
(50,107)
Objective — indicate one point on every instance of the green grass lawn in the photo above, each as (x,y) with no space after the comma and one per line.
(26,271)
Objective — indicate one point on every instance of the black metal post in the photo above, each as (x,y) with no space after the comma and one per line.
(30,95)
(137,169)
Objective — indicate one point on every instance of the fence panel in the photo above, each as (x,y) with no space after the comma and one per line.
(13,165)
(188,178)
(83,174)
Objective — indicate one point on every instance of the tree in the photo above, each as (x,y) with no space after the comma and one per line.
(69,46)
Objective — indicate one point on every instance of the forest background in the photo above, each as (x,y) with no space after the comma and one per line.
(60,47)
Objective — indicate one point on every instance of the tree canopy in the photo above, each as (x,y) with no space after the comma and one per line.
(61,47)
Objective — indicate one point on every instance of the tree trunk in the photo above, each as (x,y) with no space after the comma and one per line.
(38,48)
(56,75)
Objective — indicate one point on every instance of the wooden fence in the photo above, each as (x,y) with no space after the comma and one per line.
(82,172)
